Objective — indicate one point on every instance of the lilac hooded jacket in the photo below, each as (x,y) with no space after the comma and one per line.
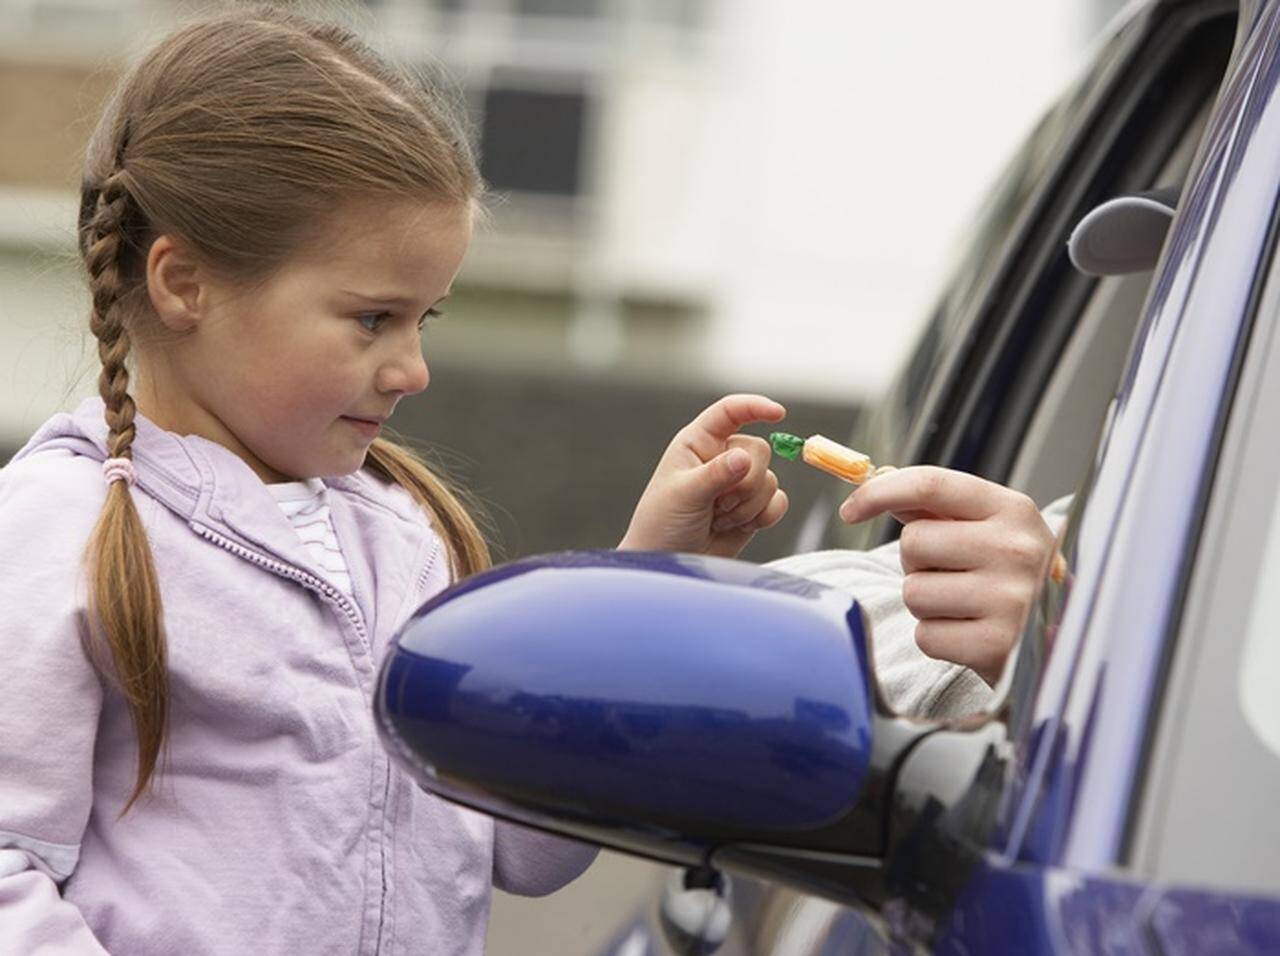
(277,824)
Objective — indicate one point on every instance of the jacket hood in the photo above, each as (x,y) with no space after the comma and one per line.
(201,480)
(163,462)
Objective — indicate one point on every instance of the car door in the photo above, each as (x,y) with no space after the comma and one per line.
(1140,816)
(1204,815)
(969,397)
(968,394)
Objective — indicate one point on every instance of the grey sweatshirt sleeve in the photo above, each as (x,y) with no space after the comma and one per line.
(531,863)
(49,721)
(912,682)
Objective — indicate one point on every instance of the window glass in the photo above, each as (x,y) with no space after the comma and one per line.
(895,414)
(531,140)
(559,8)
(1009,332)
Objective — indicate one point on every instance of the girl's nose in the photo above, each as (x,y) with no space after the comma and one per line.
(407,375)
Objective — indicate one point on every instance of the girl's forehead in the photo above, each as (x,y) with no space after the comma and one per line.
(391,237)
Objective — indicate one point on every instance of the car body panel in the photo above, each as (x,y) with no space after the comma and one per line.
(1061,790)
(495,695)
(1005,831)
(1033,909)
(1150,485)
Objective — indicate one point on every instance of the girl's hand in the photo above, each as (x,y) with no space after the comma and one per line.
(974,554)
(712,489)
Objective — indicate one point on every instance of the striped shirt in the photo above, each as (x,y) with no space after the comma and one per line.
(305,505)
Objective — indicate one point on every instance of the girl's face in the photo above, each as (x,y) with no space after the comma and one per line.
(295,375)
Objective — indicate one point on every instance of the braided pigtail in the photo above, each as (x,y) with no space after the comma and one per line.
(124,595)
(239,134)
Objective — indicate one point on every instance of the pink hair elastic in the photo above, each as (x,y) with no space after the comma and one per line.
(118,469)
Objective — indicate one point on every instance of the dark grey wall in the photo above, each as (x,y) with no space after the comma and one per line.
(559,463)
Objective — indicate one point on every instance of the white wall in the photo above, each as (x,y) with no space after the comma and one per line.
(852,142)
(804,167)
(47,357)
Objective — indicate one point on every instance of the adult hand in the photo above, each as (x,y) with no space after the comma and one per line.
(712,489)
(974,555)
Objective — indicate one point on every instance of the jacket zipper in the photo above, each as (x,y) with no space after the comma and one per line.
(310,581)
(335,597)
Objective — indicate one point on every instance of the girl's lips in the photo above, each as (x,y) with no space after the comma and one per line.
(371,429)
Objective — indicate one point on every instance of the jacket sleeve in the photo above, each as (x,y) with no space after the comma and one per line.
(52,697)
(530,863)
(911,682)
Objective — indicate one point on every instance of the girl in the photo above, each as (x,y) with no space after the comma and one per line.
(203,568)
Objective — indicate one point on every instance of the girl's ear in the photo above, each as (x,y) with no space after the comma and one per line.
(176,284)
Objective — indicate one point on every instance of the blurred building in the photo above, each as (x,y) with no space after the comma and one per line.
(717,194)
(689,196)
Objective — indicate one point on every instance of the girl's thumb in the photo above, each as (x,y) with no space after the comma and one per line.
(723,472)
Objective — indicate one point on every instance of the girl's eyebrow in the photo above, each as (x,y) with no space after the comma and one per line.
(379,299)
(398,300)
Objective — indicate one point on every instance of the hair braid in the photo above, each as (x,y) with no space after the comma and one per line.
(125,596)
(108,245)
(240,133)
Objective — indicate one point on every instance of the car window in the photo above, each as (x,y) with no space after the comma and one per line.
(1064,428)
(882,436)
(1007,202)
(968,397)
(1208,812)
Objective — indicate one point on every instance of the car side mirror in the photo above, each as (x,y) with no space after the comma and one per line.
(685,708)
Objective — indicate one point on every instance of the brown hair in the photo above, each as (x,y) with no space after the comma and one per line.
(236,133)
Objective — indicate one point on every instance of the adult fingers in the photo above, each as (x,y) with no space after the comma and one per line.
(707,433)
(939,544)
(980,645)
(944,594)
(1017,548)
(924,491)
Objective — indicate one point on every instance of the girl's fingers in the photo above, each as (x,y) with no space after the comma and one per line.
(772,513)
(759,450)
(742,501)
(720,420)
(766,486)
(716,477)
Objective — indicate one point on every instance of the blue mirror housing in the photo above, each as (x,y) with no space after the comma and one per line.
(665,704)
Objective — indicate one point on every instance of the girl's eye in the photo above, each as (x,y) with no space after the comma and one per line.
(429,314)
(372,321)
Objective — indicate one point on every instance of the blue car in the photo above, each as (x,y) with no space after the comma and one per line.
(1121,796)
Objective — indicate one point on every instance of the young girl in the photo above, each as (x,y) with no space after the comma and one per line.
(202,570)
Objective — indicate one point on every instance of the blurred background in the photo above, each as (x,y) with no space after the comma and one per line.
(689,197)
